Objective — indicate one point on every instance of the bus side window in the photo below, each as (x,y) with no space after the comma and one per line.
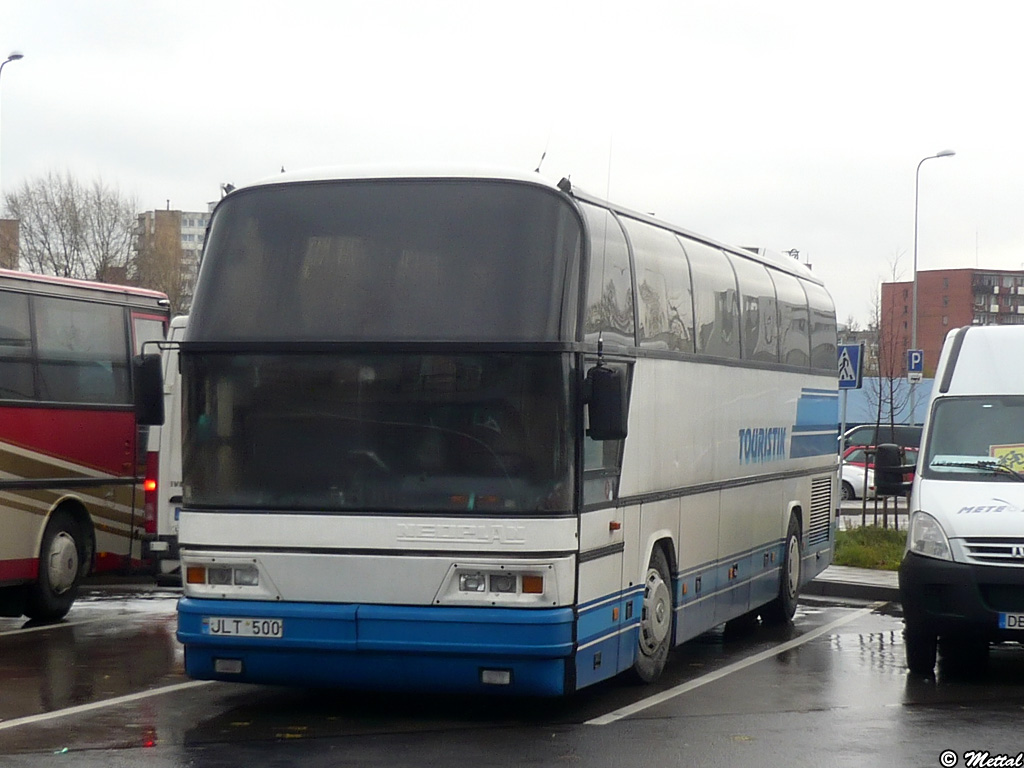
(15,348)
(759,311)
(663,288)
(609,311)
(823,327)
(82,353)
(794,330)
(715,301)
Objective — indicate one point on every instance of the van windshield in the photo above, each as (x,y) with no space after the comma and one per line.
(976,438)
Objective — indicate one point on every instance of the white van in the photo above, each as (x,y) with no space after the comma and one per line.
(163,468)
(962,575)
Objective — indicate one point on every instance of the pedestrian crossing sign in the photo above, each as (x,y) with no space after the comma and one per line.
(851,361)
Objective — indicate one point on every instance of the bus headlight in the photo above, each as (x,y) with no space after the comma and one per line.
(472,582)
(927,538)
(503,582)
(218,576)
(247,576)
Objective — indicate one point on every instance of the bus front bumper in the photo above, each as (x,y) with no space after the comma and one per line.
(379,647)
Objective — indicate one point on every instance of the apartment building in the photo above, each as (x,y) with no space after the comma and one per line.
(948,299)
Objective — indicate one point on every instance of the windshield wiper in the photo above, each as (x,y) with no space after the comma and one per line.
(991,466)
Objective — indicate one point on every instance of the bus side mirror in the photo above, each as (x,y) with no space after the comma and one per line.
(606,401)
(148,389)
(889,471)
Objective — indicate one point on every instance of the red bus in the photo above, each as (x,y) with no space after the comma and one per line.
(71,455)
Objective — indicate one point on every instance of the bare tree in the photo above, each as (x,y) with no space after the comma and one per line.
(109,221)
(889,392)
(72,230)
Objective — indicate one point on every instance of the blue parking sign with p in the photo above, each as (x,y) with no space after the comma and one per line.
(851,360)
(915,361)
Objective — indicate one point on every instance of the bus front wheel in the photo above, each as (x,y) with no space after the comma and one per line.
(655,620)
(60,570)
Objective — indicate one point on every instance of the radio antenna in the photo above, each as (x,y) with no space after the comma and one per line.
(547,143)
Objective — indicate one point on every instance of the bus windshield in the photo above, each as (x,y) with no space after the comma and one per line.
(396,260)
(463,433)
(976,438)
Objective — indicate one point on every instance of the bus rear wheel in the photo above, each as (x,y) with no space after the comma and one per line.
(782,608)
(655,620)
(60,570)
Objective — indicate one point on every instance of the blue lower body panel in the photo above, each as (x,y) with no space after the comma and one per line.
(382,647)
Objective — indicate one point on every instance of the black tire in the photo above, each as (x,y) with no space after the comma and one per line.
(656,616)
(920,645)
(60,570)
(847,492)
(741,627)
(782,609)
(965,655)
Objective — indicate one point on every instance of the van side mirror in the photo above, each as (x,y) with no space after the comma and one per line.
(890,471)
(148,389)
(607,405)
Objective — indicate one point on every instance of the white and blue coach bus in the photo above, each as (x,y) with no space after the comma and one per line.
(483,432)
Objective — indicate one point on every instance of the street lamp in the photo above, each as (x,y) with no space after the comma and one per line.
(12,56)
(913,318)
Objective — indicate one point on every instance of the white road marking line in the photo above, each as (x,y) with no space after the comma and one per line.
(79,622)
(92,707)
(679,690)
(44,627)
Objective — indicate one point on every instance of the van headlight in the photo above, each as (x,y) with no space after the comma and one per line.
(927,538)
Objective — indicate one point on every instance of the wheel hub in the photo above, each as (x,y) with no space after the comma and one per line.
(656,615)
(62,563)
(793,567)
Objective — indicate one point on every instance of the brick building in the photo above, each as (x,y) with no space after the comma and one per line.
(948,299)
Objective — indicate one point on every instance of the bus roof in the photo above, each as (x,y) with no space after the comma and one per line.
(62,285)
(384,172)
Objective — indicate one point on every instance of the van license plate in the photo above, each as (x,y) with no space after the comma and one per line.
(1011,621)
(237,627)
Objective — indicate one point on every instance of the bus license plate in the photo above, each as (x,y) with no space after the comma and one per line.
(222,626)
(1011,620)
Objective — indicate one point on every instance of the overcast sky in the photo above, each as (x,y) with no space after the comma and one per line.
(788,125)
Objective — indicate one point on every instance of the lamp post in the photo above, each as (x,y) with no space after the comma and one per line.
(12,56)
(913,318)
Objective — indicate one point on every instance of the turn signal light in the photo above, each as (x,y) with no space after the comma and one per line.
(533,585)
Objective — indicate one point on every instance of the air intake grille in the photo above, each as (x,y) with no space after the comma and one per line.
(989,550)
(821,510)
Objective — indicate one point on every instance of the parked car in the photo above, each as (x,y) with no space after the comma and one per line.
(858,460)
(903,435)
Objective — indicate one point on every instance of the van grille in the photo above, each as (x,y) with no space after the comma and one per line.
(821,510)
(988,550)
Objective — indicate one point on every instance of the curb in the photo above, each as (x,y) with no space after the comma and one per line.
(823,588)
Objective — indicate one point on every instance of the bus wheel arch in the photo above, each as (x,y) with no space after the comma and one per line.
(65,557)
(783,607)
(656,615)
